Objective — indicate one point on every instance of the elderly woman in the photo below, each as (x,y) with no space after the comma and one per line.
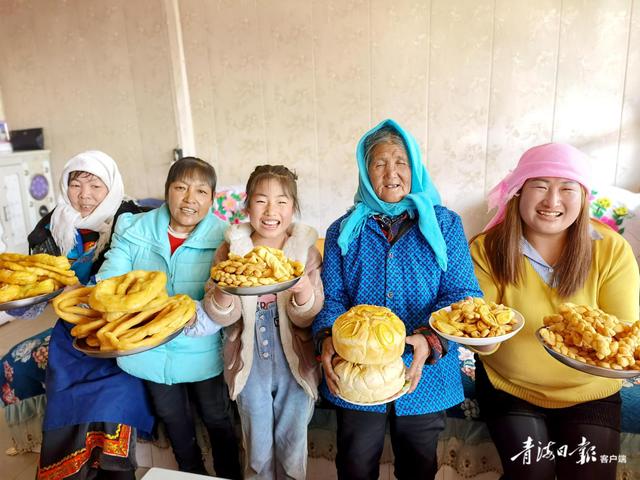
(93,407)
(541,250)
(180,238)
(397,248)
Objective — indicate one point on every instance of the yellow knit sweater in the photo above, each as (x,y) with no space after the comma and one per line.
(521,366)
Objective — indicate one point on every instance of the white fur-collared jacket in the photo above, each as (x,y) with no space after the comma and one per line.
(294,320)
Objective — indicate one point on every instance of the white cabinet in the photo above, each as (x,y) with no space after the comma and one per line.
(26,195)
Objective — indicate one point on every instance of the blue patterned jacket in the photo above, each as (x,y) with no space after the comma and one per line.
(405,277)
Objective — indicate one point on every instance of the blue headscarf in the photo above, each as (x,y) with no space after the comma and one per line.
(420,201)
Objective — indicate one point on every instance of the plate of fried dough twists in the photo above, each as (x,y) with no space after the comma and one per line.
(29,279)
(590,340)
(263,270)
(369,341)
(475,322)
(124,315)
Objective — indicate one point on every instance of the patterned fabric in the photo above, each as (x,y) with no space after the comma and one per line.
(438,346)
(620,209)
(23,369)
(610,210)
(104,445)
(229,205)
(391,226)
(406,278)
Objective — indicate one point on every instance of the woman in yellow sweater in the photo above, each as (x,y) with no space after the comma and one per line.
(540,250)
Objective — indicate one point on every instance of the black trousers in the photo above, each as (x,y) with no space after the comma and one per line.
(414,440)
(172,404)
(536,443)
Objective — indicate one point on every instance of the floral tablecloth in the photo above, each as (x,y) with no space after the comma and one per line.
(22,381)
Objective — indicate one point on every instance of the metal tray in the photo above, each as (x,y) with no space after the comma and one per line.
(403,391)
(261,290)
(585,367)
(80,345)
(27,302)
(481,341)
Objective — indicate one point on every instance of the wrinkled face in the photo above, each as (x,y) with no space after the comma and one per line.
(270,212)
(390,172)
(86,192)
(189,200)
(549,205)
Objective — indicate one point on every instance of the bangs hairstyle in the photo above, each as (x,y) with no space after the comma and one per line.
(502,246)
(191,168)
(384,135)
(282,174)
(81,174)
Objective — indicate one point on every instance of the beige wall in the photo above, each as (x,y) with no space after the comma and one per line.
(94,74)
(297,82)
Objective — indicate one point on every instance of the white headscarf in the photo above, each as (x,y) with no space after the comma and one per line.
(66,219)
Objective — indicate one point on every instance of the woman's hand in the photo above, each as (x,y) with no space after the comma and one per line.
(192,321)
(224,300)
(486,348)
(302,290)
(420,354)
(68,288)
(328,352)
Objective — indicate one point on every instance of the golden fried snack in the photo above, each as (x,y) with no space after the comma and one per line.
(25,276)
(107,330)
(9,292)
(140,287)
(589,335)
(17,277)
(261,266)
(178,311)
(88,327)
(66,278)
(369,383)
(60,262)
(67,305)
(474,318)
(369,334)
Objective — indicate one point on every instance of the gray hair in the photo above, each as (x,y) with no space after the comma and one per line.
(384,135)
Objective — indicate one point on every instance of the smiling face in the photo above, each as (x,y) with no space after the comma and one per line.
(549,206)
(189,200)
(270,211)
(86,192)
(390,172)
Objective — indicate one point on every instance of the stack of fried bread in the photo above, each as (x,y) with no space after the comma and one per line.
(125,312)
(261,266)
(25,276)
(475,318)
(369,341)
(592,336)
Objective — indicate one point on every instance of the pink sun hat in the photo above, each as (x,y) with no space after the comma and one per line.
(549,160)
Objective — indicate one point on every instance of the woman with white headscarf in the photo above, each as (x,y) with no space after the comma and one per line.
(93,408)
(91,196)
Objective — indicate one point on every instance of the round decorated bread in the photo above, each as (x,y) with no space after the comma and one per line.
(369,335)
(369,383)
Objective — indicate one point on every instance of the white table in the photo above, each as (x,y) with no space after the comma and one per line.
(156,473)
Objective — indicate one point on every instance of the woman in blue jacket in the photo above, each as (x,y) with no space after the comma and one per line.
(397,248)
(180,238)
